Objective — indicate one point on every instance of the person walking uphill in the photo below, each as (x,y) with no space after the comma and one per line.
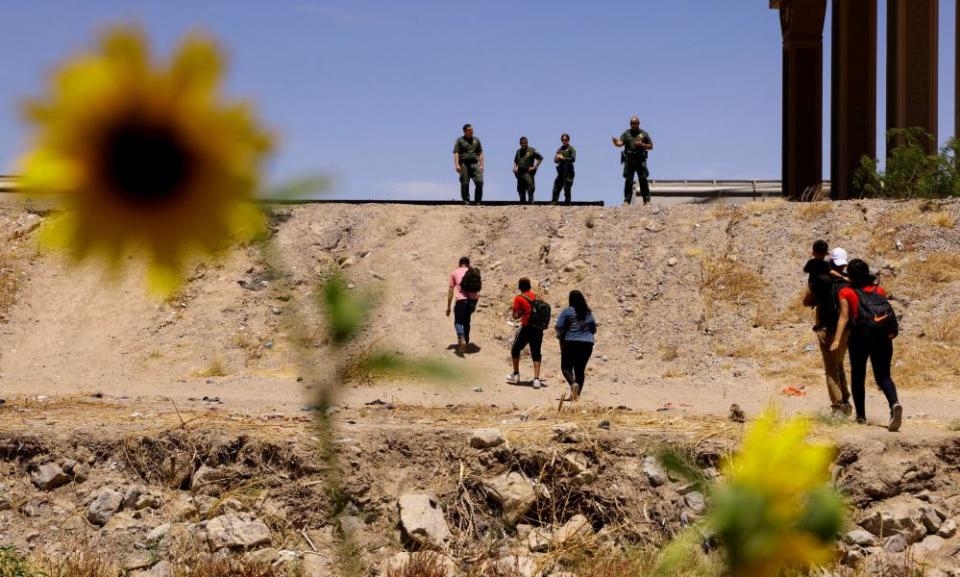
(575,329)
(465,285)
(824,283)
(636,145)
(534,316)
(525,164)
(468,162)
(565,157)
(864,304)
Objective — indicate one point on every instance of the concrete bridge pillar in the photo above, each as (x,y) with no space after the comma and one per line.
(853,111)
(912,38)
(801,23)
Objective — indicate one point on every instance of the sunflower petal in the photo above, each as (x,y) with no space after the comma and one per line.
(195,71)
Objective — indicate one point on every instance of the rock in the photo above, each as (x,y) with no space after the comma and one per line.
(896,544)
(930,519)
(398,564)
(158,533)
(577,528)
(263,556)
(183,510)
(131,495)
(349,525)
(81,473)
(486,438)
(514,566)
(695,501)
(513,493)
(896,518)
(654,471)
(948,529)
(538,540)
(567,433)
(672,261)
(49,476)
(577,465)
(235,532)
(161,569)
(147,501)
(138,559)
(314,565)
(929,546)
(205,481)
(422,521)
(288,560)
(860,538)
(105,503)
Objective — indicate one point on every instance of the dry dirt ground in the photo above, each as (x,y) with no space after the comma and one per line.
(698,306)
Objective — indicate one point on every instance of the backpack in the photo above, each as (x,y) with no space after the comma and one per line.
(875,315)
(826,289)
(539,313)
(471,281)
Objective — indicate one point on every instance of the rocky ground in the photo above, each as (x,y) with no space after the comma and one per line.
(524,494)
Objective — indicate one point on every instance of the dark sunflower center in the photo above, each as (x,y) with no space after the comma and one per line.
(146,164)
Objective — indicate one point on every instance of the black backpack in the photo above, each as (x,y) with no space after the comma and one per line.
(826,289)
(471,281)
(875,316)
(539,313)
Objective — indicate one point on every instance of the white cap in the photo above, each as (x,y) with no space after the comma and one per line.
(838,256)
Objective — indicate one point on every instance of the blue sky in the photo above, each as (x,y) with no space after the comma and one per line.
(375,92)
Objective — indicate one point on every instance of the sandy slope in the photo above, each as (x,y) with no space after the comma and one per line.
(720,325)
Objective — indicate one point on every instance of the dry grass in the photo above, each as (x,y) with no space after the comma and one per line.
(942,219)
(729,280)
(216,368)
(425,564)
(918,363)
(946,329)
(692,251)
(758,207)
(936,268)
(229,568)
(888,225)
(9,285)
(739,348)
(815,210)
(669,352)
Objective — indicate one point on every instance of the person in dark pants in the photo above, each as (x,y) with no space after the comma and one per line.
(466,304)
(636,145)
(565,157)
(865,344)
(526,334)
(468,162)
(525,164)
(575,329)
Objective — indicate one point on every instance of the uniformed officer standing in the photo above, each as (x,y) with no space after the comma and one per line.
(565,157)
(468,162)
(636,144)
(525,164)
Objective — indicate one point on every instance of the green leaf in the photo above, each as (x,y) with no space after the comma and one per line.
(394,364)
(345,312)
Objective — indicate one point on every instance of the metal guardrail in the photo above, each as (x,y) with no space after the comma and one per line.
(714,189)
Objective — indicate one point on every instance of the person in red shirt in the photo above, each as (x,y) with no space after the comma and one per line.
(526,334)
(878,348)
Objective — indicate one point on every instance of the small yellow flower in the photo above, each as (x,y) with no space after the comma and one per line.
(147,157)
(776,507)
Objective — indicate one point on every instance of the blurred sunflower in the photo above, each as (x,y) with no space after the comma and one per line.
(776,507)
(148,158)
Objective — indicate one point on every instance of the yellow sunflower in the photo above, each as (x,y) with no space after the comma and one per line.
(147,157)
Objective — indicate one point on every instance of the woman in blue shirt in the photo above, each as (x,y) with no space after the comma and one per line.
(575,329)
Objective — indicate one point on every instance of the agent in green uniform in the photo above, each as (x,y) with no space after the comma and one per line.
(636,144)
(525,164)
(565,157)
(468,162)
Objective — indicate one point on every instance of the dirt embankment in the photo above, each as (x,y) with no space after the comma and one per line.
(698,305)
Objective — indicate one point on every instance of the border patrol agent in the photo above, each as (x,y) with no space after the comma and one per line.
(636,145)
(525,164)
(565,157)
(468,162)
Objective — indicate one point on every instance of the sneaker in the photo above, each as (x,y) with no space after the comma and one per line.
(847,409)
(896,418)
(646,201)
(575,391)
(461,346)
(537,384)
(861,420)
(513,378)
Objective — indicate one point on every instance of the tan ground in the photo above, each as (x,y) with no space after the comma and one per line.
(722,325)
